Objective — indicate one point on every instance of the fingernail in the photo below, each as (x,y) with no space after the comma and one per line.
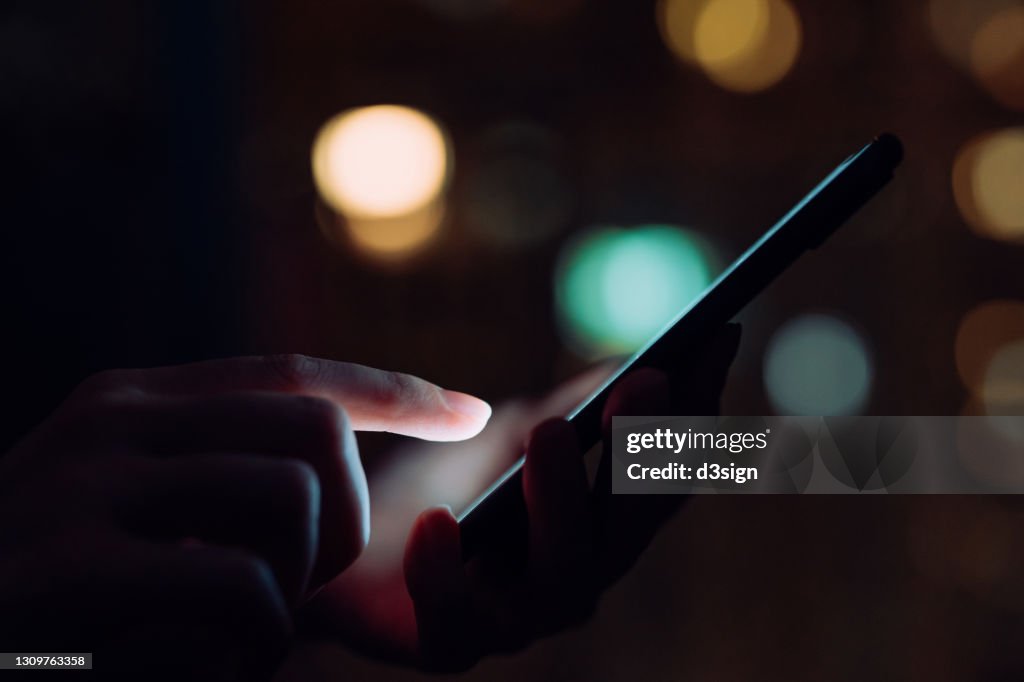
(467,405)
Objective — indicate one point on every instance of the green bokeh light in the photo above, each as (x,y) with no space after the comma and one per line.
(817,365)
(615,288)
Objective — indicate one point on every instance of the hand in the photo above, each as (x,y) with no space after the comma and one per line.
(410,597)
(200,503)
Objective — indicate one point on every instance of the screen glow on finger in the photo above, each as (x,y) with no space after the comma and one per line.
(817,365)
(380,161)
(615,288)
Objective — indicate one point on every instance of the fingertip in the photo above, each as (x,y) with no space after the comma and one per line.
(436,580)
(467,405)
(432,551)
(469,416)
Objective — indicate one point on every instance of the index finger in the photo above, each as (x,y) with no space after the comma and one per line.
(375,400)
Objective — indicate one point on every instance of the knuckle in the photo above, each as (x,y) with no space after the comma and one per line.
(105,382)
(251,575)
(293,370)
(326,422)
(83,422)
(94,414)
(300,489)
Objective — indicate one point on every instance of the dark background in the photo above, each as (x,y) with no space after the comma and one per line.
(158,208)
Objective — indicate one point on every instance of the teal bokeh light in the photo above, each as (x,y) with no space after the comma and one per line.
(615,288)
(817,365)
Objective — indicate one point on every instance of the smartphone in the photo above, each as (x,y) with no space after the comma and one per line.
(500,511)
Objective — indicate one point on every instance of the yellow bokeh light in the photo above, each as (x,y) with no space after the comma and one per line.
(997,56)
(677,20)
(986,38)
(985,330)
(380,162)
(1003,388)
(988,184)
(955,23)
(386,239)
(742,45)
(728,31)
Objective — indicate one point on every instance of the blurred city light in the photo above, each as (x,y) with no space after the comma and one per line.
(382,239)
(1002,391)
(677,21)
(988,184)
(380,162)
(615,288)
(955,23)
(742,45)
(981,334)
(817,365)
(727,31)
(398,236)
(997,56)
(518,194)
(517,201)
(990,448)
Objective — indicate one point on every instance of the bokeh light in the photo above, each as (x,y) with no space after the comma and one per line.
(1002,390)
(989,445)
(380,162)
(384,239)
(988,184)
(727,30)
(518,193)
(817,365)
(517,201)
(997,56)
(982,333)
(677,21)
(955,23)
(742,45)
(615,288)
